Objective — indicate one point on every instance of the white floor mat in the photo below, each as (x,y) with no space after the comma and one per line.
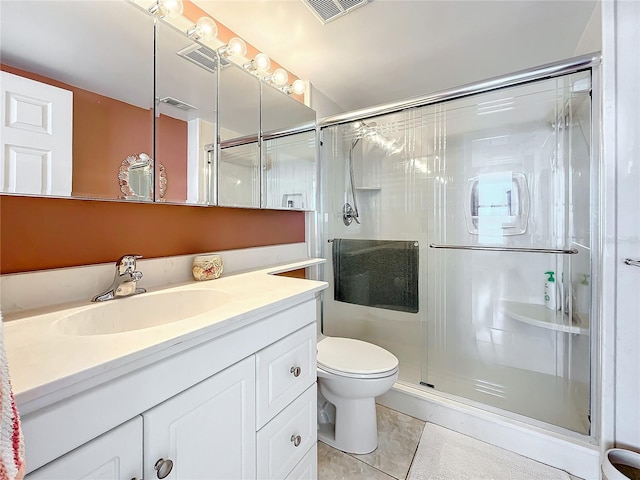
(447,455)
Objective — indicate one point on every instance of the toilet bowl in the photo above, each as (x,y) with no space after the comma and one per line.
(351,374)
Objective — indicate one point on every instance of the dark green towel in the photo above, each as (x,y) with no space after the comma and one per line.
(376,273)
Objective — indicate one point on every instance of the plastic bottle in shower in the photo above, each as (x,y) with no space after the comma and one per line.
(550,292)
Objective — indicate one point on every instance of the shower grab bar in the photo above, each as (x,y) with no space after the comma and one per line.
(632,262)
(571,251)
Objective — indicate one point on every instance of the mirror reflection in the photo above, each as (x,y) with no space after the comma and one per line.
(72,76)
(136,178)
(289,171)
(239,175)
(186,84)
(239,100)
(90,79)
(239,154)
(281,113)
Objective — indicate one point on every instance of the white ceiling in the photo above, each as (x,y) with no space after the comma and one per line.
(390,50)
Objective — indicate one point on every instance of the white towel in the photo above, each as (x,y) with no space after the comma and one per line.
(11,442)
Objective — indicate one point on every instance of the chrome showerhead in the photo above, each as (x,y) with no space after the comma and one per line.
(369,131)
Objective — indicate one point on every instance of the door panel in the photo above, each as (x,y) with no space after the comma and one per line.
(37,121)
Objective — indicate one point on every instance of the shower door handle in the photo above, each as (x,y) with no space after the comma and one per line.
(633,263)
(487,248)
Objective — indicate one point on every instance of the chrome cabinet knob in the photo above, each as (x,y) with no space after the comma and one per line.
(295,371)
(296,440)
(163,467)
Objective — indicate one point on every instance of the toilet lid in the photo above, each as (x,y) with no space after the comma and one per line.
(354,357)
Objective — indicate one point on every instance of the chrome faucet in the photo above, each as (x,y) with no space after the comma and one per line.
(125,282)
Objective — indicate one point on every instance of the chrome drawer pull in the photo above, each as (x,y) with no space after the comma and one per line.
(163,467)
(296,439)
(295,371)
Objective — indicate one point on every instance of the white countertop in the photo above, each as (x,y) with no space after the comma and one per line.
(47,365)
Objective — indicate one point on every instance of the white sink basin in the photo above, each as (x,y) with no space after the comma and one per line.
(140,311)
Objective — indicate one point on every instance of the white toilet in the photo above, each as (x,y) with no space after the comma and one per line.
(351,374)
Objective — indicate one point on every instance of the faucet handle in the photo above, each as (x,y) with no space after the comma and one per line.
(127,263)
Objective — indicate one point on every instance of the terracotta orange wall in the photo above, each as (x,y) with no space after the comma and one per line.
(172,153)
(107,131)
(300,273)
(42,233)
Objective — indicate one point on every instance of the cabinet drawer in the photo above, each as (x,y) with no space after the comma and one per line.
(285,440)
(307,469)
(284,370)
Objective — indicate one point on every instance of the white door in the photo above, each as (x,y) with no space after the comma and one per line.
(37,137)
(206,432)
(116,455)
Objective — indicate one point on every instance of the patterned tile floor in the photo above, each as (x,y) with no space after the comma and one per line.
(398,438)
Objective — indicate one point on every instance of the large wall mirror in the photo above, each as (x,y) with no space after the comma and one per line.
(77,97)
(79,93)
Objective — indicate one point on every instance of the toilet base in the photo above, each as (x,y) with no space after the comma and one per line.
(357,427)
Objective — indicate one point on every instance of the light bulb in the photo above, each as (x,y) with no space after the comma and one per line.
(205,28)
(236,47)
(280,77)
(298,87)
(167,8)
(262,62)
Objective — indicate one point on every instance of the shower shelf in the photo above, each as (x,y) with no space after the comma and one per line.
(369,189)
(541,316)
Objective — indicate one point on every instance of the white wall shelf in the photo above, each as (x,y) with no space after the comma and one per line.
(369,189)
(541,316)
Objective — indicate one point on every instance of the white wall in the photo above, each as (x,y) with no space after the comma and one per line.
(621,178)
(591,40)
(323,105)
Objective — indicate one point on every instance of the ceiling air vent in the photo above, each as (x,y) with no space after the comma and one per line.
(174,102)
(328,10)
(203,56)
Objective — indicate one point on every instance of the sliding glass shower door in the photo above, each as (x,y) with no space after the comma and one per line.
(510,250)
(487,199)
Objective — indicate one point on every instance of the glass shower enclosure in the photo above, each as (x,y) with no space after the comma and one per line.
(495,193)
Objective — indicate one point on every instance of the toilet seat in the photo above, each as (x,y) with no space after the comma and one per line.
(348,357)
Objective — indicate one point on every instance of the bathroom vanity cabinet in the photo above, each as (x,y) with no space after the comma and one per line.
(240,405)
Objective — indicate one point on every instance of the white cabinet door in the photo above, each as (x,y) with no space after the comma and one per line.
(208,431)
(37,135)
(116,454)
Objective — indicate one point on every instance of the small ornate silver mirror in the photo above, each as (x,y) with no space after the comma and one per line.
(136,178)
